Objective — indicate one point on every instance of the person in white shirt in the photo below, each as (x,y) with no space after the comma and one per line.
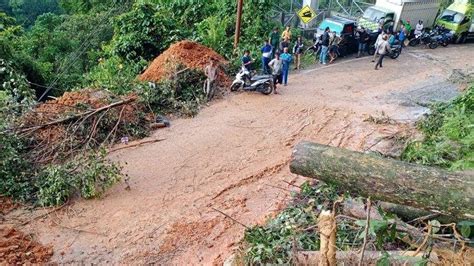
(377,43)
(383,49)
(419,28)
(277,68)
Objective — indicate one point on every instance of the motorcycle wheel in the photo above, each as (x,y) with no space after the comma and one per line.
(235,87)
(395,54)
(414,42)
(433,45)
(267,88)
(371,50)
(444,44)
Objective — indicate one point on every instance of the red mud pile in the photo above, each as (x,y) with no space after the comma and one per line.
(17,248)
(187,53)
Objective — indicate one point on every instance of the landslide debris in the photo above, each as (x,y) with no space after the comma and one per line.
(78,120)
(187,53)
(17,248)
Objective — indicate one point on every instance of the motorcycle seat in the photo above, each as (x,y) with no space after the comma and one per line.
(258,77)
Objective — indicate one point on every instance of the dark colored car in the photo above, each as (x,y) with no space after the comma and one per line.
(344,28)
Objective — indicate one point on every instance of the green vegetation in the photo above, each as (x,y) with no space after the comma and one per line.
(449,135)
(295,228)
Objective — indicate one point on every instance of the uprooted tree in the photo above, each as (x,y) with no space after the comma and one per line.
(389,180)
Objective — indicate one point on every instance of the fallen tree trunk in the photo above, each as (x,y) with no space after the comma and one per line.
(385,179)
(371,258)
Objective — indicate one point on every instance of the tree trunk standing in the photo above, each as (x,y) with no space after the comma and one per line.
(384,179)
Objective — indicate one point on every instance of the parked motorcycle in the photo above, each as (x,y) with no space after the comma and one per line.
(315,48)
(442,35)
(245,81)
(424,38)
(395,50)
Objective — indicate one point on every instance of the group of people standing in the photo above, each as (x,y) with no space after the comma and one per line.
(276,56)
(330,42)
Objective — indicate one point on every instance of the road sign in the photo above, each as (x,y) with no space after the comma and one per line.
(306,14)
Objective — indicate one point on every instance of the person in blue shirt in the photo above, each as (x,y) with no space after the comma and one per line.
(247,60)
(402,36)
(392,39)
(266,57)
(286,58)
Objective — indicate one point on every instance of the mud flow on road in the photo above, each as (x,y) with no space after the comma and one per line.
(233,157)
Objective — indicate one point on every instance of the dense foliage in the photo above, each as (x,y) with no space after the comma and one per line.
(449,135)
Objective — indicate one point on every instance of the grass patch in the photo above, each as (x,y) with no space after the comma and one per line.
(449,135)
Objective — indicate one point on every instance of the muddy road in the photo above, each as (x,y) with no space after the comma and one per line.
(234,157)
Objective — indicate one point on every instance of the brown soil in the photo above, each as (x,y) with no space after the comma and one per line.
(6,205)
(18,248)
(233,157)
(187,53)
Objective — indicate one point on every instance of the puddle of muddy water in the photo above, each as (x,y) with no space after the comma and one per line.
(418,100)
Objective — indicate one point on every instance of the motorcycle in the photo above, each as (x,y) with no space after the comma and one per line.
(442,35)
(395,50)
(424,38)
(315,48)
(245,81)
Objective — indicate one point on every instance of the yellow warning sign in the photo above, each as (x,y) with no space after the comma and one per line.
(306,14)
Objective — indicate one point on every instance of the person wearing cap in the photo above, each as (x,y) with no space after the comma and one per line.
(419,28)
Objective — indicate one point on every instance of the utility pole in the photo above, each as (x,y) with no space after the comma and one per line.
(238,22)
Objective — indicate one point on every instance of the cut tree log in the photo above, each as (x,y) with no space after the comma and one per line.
(423,187)
(327,235)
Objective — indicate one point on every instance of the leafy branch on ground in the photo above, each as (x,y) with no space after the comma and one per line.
(295,229)
(449,135)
